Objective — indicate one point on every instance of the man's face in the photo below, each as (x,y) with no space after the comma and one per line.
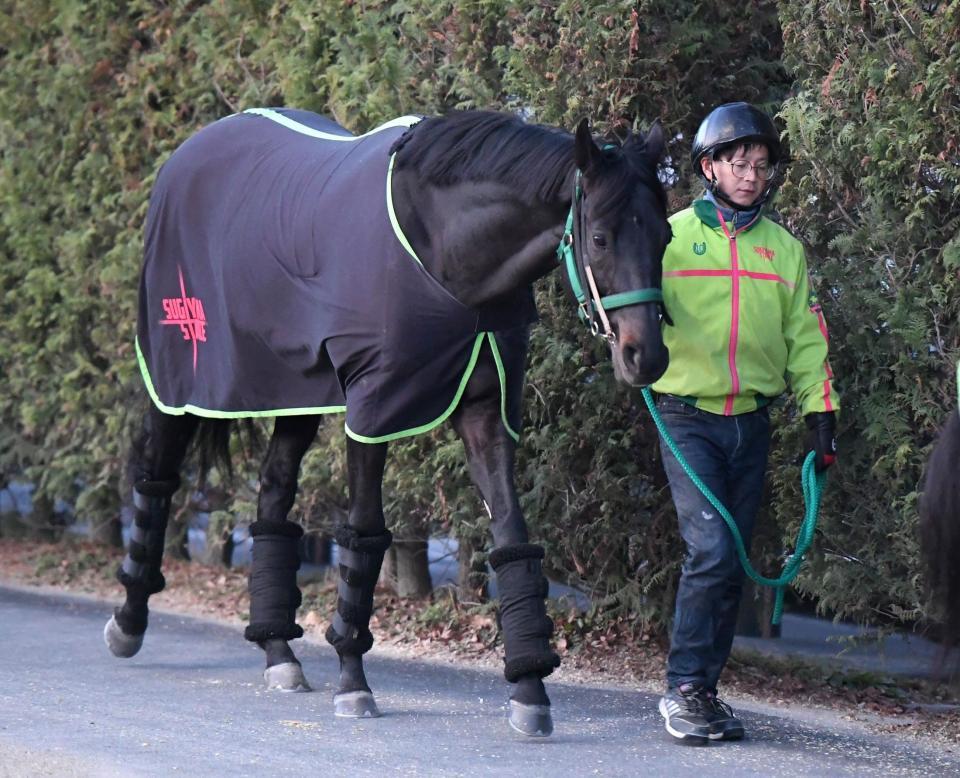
(727,169)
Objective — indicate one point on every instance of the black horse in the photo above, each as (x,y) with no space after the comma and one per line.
(940,527)
(292,269)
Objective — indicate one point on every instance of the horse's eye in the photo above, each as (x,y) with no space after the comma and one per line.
(599,241)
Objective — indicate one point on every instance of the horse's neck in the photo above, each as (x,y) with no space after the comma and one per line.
(478,239)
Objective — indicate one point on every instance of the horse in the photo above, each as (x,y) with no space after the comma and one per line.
(292,269)
(940,527)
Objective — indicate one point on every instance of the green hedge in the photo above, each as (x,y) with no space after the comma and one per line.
(875,190)
(115,86)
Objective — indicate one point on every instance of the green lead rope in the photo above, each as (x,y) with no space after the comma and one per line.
(812,490)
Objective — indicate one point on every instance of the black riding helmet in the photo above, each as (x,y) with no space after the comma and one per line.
(733,124)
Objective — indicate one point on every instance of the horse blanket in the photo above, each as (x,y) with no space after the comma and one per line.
(277,281)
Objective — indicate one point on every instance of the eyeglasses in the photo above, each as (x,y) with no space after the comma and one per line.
(741,167)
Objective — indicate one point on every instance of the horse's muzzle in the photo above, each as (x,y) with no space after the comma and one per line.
(639,364)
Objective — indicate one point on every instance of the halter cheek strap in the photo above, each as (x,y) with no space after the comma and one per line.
(592,307)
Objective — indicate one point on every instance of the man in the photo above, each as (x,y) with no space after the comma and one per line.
(746,325)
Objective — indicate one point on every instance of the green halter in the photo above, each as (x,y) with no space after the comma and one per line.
(592,306)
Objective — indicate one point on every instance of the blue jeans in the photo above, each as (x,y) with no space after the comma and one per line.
(729,453)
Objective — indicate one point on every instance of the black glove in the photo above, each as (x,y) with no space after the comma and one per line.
(821,438)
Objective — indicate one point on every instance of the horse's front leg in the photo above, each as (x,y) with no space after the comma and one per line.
(522,587)
(274,594)
(362,543)
(155,461)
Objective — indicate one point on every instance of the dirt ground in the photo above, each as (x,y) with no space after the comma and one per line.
(594,650)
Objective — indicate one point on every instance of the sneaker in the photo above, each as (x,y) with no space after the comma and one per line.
(724,725)
(684,709)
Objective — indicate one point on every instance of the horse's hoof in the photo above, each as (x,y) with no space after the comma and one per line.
(119,642)
(286,677)
(355,705)
(532,720)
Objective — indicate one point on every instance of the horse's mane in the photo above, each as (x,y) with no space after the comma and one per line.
(535,160)
(488,146)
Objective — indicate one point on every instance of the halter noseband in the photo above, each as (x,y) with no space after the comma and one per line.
(591,307)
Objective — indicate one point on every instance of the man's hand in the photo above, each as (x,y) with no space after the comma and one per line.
(821,438)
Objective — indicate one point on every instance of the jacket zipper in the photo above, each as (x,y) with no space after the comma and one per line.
(734,317)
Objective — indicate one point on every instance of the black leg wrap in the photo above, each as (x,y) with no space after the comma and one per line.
(140,570)
(157,488)
(358,644)
(287,529)
(523,612)
(274,594)
(360,561)
(151,583)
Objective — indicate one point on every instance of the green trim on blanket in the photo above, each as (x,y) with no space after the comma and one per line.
(402,121)
(293,124)
(397,230)
(503,387)
(474,355)
(209,414)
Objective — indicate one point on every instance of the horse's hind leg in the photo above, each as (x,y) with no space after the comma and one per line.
(154,464)
(528,657)
(274,594)
(362,544)
(940,528)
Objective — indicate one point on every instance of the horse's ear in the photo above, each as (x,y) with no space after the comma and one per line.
(586,153)
(654,142)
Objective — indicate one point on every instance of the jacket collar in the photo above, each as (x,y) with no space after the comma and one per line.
(706,211)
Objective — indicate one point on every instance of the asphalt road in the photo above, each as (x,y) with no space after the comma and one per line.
(192,702)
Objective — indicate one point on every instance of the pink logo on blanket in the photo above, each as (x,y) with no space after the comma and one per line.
(186,313)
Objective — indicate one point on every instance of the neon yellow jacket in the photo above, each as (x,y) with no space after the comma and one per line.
(745,320)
